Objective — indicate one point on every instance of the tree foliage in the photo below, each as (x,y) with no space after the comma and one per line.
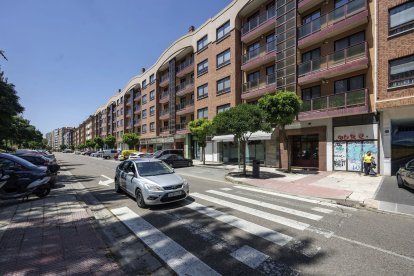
(241,121)
(110,141)
(89,143)
(281,110)
(99,142)
(201,128)
(131,139)
(63,147)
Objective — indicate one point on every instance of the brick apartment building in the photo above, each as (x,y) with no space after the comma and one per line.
(351,62)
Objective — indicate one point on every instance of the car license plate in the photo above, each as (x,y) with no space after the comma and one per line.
(174,194)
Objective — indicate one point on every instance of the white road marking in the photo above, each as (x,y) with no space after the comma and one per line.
(314,201)
(204,178)
(258,213)
(226,189)
(322,210)
(375,248)
(106,182)
(247,226)
(249,256)
(176,257)
(268,205)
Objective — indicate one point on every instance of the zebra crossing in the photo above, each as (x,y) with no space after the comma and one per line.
(251,246)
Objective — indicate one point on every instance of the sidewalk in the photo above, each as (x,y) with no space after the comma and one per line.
(349,187)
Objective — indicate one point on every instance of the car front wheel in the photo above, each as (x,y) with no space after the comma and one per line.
(400,182)
(140,199)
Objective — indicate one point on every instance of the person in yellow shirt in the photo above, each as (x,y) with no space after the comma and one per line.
(367,159)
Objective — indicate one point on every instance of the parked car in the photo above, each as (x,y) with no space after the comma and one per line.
(175,160)
(20,178)
(405,175)
(109,154)
(97,154)
(150,181)
(77,152)
(125,154)
(136,155)
(67,151)
(42,161)
(160,153)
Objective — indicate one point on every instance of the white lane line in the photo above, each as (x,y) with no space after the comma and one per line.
(322,210)
(176,257)
(204,178)
(375,248)
(226,189)
(258,213)
(314,201)
(247,226)
(249,256)
(268,205)
(106,177)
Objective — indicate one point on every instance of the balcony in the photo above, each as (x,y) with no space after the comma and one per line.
(182,128)
(343,104)
(128,114)
(164,97)
(185,107)
(137,123)
(164,130)
(338,21)
(128,103)
(259,56)
(137,110)
(164,80)
(164,114)
(185,68)
(184,88)
(304,5)
(259,87)
(341,62)
(130,125)
(265,22)
(137,97)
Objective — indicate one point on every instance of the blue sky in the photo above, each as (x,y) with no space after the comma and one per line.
(67,57)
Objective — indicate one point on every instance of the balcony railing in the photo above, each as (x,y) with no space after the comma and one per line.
(163,112)
(165,129)
(137,97)
(332,17)
(343,56)
(181,126)
(185,104)
(337,101)
(258,83)
(262,18)
(164,77)
(185,64)
(269,47)
(128,114)
(184,85)
(164,95)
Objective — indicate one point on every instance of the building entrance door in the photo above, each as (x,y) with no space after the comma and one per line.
(305,151)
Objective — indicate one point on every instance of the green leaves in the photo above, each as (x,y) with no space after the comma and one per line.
(99,142)
(131,139)
(201,128)
(110,141)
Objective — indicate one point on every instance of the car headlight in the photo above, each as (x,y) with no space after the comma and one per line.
(185,182)
(153,187)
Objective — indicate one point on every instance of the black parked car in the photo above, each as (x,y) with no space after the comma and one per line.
(175,160)
(405,175)
(160,153)
(40,160)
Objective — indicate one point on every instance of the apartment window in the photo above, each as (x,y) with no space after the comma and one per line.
(152,127)
(223,58)
(122,122)
(253,77)
(223,30)
(349,41)
(223,108)
(144,128)
(401,71)
(117,113)
(202,67)
(310,17)
(152,78)
(311,93)
(144,113)
(202,43)
(144,99)
(314,54)
(122,99)
(271,42)
(202,113)
(401,18)
(349,84)
(122,111)
(152,110)
(223,86)
(144,84)
(152,95)
(202,91)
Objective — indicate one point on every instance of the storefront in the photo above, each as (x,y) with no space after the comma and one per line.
(154,144)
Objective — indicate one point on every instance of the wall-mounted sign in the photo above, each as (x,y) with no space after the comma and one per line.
(356,133)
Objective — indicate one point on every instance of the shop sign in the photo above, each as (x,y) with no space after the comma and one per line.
(356,133)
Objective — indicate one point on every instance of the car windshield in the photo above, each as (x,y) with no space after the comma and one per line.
(153,168)
(157,153)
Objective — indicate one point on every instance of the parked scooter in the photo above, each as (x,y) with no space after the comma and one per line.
(20,178)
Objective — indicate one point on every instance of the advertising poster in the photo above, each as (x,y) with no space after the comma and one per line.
(340,156)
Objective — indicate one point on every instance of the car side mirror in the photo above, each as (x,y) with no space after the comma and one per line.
(131,173)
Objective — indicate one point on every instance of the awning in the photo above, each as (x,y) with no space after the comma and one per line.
(258,135)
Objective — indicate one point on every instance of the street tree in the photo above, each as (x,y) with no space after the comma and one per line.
(281,110)
(99,142)
(241,121)
(201,128)
(131,139)
(110,141)
(63,147)
(90,144)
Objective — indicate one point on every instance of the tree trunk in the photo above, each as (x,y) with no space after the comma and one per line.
(203,155)
(243,156)
(286,145)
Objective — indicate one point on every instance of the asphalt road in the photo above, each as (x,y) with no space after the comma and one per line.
(230,229)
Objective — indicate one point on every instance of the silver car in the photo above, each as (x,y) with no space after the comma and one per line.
(150,181)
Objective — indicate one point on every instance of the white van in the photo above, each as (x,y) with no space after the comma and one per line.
(109,154)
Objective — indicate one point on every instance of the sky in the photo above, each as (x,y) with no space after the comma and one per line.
(68,57)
